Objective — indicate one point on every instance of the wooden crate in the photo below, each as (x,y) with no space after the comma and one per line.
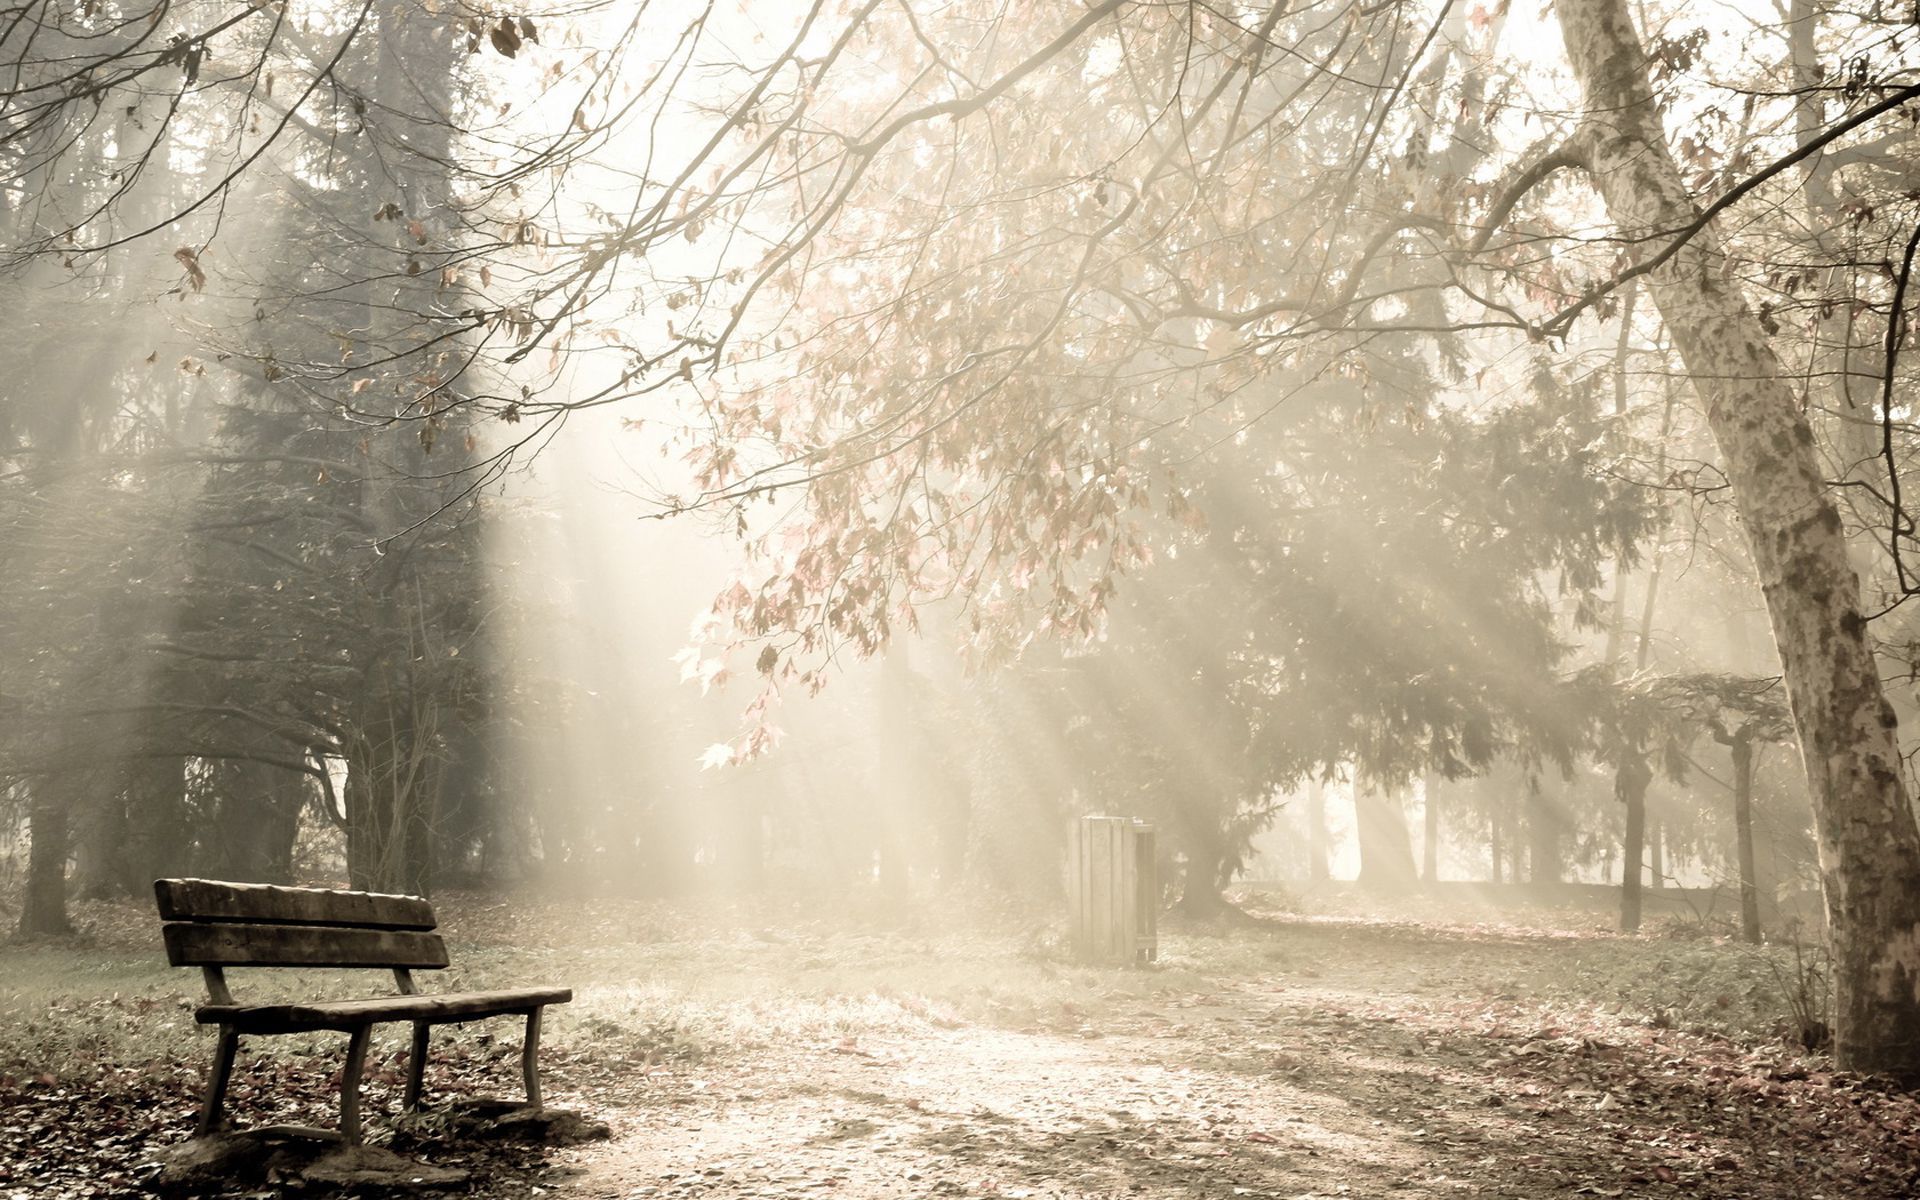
(1113,890)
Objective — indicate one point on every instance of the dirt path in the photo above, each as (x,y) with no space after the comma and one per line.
(989,1112)
(1270,1088)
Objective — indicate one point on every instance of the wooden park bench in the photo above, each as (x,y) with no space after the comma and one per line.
(213,926)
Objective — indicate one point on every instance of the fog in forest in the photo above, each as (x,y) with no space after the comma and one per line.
(951,534)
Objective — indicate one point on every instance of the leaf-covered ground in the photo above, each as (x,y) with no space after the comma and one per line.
(759,1051)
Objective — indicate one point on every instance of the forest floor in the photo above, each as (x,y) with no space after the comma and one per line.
(1317,1051)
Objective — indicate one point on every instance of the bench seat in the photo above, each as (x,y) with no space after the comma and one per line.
(216,925)
(444,1008)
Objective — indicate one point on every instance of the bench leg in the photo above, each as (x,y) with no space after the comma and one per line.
(350,1085)
(530,1057)
(416,1065)
(216,1098)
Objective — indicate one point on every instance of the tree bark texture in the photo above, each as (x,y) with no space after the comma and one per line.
(1869,845)
(1743,836)
(1630,782)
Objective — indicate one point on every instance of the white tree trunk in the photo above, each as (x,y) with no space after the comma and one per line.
(1869,847)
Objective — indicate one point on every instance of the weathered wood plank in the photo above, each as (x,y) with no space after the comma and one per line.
(214,1104)
(417,1066)
(265,904)
(194,945)
(444,1009)
(1114,889)
(530,1058)
(1077,887)
(1101,884)
(350,1084)
(1147,894)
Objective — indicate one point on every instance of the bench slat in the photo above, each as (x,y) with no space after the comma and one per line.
(447,1008)
(266,904)
(233,945)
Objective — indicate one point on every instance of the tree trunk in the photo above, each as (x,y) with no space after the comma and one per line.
(1851,425)
(100,845)
(1386,852)
(1543,838)
(1743,836)
(1316,831)
(420,802)
(391,789)
(1622,352)
(1493,844)
(1630,788)
(255,817)
(363,836)
(1208,867)
(1199,897)
(1656,853)
(394,781)
(1430,831)
(43,910)
(159,837)
(1869,844)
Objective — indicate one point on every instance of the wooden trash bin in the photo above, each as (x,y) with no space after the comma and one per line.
(1113,890)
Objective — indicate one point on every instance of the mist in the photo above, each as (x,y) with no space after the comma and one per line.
(959,598)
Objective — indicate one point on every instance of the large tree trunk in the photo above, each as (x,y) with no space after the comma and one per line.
(43,910)
(366,849)
(413,692)
(1208,866)
(1869,845)
(1316,831)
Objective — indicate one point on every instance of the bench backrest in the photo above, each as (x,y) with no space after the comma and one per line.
(215,924)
